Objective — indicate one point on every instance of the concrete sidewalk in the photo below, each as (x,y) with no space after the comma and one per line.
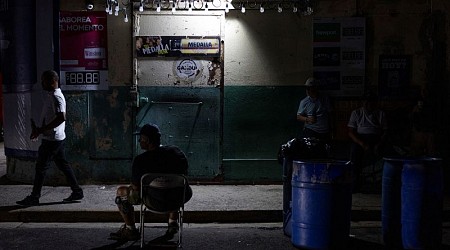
(210,203)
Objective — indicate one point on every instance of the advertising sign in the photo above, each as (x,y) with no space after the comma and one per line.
(339,55)
(394,75)
(177,46)
(83,50)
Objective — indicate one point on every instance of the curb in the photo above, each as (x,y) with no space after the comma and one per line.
(235,216)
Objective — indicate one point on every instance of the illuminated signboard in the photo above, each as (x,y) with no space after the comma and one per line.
(177,46)
(83,50)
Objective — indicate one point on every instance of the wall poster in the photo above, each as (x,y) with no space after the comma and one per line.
(83,50)
(394,75)
(339,55)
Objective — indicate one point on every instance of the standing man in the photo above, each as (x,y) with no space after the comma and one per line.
(155,159)
(314,111)
(367,128)
(53,119)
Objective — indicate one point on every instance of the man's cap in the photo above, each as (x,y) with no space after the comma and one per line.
(150,130)
(311,82)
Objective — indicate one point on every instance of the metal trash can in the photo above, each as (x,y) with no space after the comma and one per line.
(412,201)
(321,204)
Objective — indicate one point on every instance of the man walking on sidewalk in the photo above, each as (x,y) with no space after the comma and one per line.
(53,141)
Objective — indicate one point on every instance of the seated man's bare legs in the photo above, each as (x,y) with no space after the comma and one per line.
(128,231)
(173,226)
(126,209)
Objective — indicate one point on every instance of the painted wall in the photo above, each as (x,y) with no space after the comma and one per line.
(266,59)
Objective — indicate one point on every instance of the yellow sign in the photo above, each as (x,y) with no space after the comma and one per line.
(200,46)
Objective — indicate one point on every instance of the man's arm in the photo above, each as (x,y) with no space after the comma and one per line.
(36,131)
(352,134)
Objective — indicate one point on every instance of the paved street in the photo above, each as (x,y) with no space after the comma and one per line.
(67,236)
(196,236)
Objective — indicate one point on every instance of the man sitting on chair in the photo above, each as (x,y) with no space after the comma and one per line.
(155,159)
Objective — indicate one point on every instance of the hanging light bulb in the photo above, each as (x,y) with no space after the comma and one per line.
(173,6)
(110,11)
(125,19)
(116,13)
(158,7)
(226,7)
(280,9)
(294,8)
(190,6)
(107,6)
(243,8)
(206,6)
(261,8)
(141,7)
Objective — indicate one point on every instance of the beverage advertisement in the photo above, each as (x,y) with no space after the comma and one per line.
(83,50)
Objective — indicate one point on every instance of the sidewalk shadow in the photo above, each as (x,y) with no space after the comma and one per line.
(362,244)
(5,181)
(119,244)
(445,247)
(158,243)
(161,242)
(16,207)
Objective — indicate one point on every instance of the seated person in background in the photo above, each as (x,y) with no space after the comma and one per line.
(424,126)
(367,128)
(155,159)
(314,111)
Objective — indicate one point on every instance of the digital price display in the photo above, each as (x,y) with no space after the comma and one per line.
(78,79)
(82,77)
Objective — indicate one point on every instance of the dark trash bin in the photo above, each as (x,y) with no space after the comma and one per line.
(321,204)
(417,222)
(297,149)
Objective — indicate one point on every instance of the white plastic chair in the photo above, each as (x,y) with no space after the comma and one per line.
(163,194)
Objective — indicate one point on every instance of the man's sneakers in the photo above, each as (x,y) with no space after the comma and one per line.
(29,201)
(34,201)
(74,197)
(125,234)
(171,230)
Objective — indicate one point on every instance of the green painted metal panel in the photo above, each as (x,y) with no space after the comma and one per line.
(77,123)
(257,120)
(252,171)
(99,135)
(189,118)
(111,124)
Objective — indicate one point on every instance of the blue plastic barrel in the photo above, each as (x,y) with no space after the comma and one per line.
(287,196)
(391,202)
(321,204)
(422,203)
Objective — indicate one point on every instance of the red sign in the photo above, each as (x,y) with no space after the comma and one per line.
(83,50)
